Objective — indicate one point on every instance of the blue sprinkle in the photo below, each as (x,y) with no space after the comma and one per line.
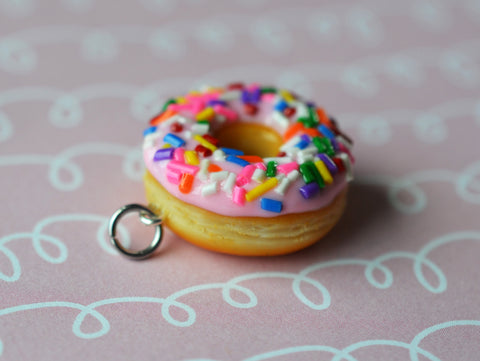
(302,144)
(231,151)
(326,131)
(281,105)
(271,205)
(173,140)
(149,130)
(236,160)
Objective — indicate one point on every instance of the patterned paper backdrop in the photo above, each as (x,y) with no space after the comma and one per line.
(397,279)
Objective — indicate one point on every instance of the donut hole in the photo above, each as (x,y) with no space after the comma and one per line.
(251,138)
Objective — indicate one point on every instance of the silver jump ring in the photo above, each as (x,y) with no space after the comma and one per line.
(148,218)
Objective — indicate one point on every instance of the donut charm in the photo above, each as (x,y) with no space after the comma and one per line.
(246,169)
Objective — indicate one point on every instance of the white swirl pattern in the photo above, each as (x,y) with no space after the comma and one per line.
(421,91)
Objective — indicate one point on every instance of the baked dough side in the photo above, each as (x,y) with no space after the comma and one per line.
(246,236)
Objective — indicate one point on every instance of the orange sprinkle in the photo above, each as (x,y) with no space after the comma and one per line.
(162,117)
(322,116)
(186,183)
(313,132)
(251,158)
(212,168)
(292,130)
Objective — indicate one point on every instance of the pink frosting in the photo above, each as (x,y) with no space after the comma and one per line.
(220,199)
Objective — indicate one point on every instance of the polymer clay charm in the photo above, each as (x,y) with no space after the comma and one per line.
(244,170)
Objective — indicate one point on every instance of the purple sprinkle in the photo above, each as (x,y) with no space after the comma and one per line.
(305,137)
(213,102)
(245,96)
(332,167)
(309,190)
(255,95)
(163,154)
(335,145)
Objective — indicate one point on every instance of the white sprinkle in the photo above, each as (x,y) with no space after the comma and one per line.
(218,154)
(219,176)
(209,189)
(258,175)
(203,172)
(200,128)
(345,142)
(229,183)
(187,134)
(348,166)
(293,175)
(279,160)
(230,95)
(301,110)
(280,119)
(283,186)
(290,143)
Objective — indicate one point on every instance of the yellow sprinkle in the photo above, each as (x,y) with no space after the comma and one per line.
(166,145)
(194,92)
(180,100)
(261,189)
(324,172)
(191,157)
(286,95)
(206,114)
(204,142)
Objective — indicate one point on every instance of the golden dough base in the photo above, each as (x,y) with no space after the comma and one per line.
(246,236)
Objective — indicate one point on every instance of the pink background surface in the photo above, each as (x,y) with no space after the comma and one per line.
(397,279)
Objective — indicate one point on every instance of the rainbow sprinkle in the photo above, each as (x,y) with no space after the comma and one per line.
(314,152)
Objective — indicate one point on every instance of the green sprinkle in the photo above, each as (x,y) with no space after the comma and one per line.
(170,101)
(203,122)
(323,145)
(271,169)
(307,122)
(268,90)
(313,116)
(307,174)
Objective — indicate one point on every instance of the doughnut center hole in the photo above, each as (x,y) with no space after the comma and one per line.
(251,138)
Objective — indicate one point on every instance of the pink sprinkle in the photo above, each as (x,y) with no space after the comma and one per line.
(197,106)
(179,155)
(239,195)
(245,176)
(182,167)
(174,176)
(226,112)
(344,149)
(261,166)
(179,107)
(268,97)
(287,167)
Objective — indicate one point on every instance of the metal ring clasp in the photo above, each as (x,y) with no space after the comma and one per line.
(148,218)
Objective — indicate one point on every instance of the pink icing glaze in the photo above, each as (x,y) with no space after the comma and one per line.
(226,201)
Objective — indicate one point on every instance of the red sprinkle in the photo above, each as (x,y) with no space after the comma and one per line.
(250,109)
(176,127)
(210,139)
(203,151)
(289,111)
(235,86)
(281,154)
(339,163)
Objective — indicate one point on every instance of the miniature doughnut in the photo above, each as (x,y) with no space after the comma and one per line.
(246,169)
